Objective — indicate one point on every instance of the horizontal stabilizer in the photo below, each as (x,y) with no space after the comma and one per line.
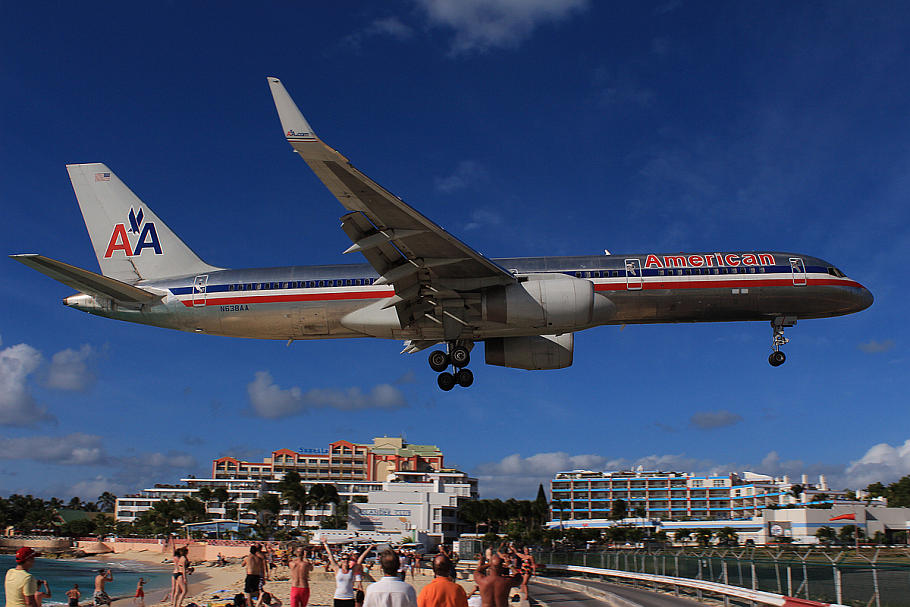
(85,281)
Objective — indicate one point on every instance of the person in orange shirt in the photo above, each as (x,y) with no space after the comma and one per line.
(442,591)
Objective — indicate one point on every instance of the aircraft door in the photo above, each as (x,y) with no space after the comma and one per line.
(199,285)
(799,271)
(633,274)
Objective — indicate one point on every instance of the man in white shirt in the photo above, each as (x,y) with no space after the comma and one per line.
(390,591)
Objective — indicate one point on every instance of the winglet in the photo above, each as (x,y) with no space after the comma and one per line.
(295,126)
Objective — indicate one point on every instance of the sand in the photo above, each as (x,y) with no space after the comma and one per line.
(215,586)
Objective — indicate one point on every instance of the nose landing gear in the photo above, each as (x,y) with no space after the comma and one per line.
(458,356)
(777,358)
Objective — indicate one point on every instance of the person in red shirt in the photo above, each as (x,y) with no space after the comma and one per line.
(442,591)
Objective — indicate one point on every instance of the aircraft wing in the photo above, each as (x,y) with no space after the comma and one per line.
(407,249)
(85,281)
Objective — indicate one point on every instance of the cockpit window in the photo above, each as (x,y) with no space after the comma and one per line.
(835,272)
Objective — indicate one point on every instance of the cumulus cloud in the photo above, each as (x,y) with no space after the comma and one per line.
(90,488)
(480,25)
(709,420)
(465,175)
(70,370)
(389,27)
(75,449)
(517,476)
(17,405)
(876,347)
(269,400)
(882,462)
(482,218)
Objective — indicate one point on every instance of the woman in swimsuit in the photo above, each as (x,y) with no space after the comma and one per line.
(179,584)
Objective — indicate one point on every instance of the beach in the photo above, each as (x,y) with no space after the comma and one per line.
(210,585)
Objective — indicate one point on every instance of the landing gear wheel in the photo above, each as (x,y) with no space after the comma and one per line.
(464,377)
(446,381)
(777,358)
(439,361)
(460,356)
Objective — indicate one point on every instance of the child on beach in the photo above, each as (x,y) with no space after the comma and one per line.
(73,594)
(140,592)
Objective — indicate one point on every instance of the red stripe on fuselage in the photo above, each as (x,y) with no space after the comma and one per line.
(253,299)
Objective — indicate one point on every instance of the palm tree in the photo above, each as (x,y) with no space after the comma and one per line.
(294,493)
(75,504)
(681,535)
(267,506)
(107,501)
(727,536)
(703,536)
(191,510)
(825,535)
(164,513)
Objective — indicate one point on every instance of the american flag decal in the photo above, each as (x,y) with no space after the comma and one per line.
(102,176)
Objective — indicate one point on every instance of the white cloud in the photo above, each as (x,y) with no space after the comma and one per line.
(480,25)
(390,26)
(269,400)
(69,370)
(709,420)
(517,476)
(465,175)
(882,463)
(17,405)
(877,347)
(75,449)
(90,489)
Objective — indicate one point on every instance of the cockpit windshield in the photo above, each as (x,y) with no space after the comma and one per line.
(835,272)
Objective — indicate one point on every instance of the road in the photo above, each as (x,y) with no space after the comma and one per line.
(555,596)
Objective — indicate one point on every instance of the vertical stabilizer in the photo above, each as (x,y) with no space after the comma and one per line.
(130,241)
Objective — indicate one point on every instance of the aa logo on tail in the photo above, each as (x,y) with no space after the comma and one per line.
(120,241)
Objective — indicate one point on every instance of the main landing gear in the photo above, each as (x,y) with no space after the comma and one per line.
(458,356)
(777,358)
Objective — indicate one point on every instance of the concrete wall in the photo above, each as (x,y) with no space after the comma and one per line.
(54,544)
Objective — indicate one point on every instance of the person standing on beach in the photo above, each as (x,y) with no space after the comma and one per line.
(180,583)
(42,594)
(390,591)
(300,578)
(73,595)
(256,573)
(494,586)
(20,586)
(344,576)
(140,592)
(442,591)
(100,597)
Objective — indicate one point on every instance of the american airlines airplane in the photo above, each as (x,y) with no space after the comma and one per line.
(421,284)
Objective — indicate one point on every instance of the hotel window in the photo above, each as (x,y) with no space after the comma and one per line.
(718,483)
(697,483)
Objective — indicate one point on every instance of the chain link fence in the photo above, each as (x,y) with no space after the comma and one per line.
(844,577)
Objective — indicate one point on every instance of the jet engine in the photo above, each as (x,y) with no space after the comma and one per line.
(561,303)
(536,352)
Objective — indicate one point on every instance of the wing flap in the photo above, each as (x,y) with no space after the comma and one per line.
(86,281)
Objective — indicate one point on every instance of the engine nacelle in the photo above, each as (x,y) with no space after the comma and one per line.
(534,353)
(560,303)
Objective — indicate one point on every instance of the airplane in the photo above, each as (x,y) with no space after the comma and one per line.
(421,284)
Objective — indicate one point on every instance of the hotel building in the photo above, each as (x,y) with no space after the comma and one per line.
(584,494)
(355,469)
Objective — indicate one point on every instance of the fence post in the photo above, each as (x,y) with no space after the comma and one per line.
(789,581)
(878,600)
(838,593)
(726,581)
(676,564)
(754,579)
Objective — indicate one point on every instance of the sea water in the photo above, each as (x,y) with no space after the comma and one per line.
(61,574)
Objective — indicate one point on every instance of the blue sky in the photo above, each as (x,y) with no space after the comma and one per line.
(549,128)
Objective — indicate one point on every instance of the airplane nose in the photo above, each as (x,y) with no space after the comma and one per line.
(864,299)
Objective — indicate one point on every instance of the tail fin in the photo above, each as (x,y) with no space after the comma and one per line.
(130,242)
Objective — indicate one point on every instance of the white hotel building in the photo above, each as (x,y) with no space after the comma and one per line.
(584,494)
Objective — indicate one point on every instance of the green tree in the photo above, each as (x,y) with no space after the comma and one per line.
(796,491)
(727,536)
(266,506)
(618,509)
(825,535)
(294,494)
(703,536)
(682,535)
(106,502)
(191,510)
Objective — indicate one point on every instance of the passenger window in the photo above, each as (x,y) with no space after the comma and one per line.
(716,271)
(752,270)
(320,283)
(660,272)
(670,272)
(761,270)
(578,274)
